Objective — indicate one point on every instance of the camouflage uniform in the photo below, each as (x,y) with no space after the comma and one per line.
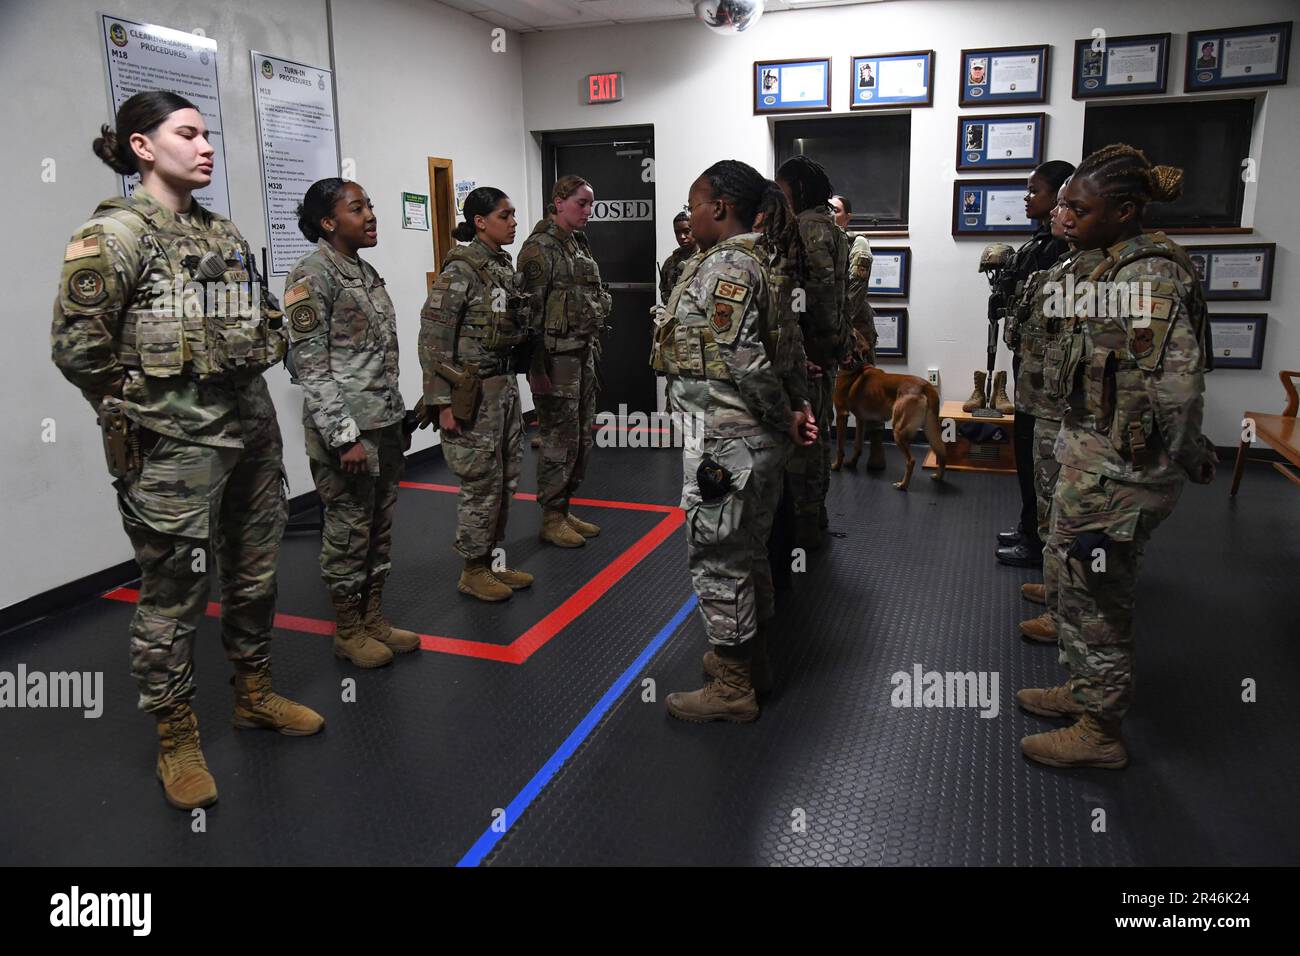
(715,341)
(569,307)
(861,317)
(132,322)
(474,316)
(825,250)
(671,271)
(343,336)
(1132,433)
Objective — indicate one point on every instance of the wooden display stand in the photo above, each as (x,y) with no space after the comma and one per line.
(966,455)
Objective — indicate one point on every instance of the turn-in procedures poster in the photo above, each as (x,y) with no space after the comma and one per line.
(297,143)
(144,56)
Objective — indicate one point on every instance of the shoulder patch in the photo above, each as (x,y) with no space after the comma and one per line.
(303,319)
(723,315)
(296,293)
(730,290)
(87,287)
(81,249)
(533,270)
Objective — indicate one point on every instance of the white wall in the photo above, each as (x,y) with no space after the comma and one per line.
(695,88)
(415,79)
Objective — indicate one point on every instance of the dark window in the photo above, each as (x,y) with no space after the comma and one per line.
(866,157)
(1208,139)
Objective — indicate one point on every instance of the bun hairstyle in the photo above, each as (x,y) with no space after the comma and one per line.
(142,113)
(565,187)
(751,193)
(317,203)
(810,187)
(1122,173)
(480,202)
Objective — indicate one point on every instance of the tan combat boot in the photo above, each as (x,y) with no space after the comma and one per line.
(760,663)
(1049,701)
(556,530)
(514,580)
(379,629)
(1034,592)
(730,696)
(1041,628)
(352,640)
(477,580)
(1000,400)
(1088,743)
(257,705)
(976,399)
(181,769)
(584,528)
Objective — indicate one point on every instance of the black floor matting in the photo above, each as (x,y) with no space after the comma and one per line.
(411,772)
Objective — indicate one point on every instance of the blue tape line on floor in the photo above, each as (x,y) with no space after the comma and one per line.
(515,809)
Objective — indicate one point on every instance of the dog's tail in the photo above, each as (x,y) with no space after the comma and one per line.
(933,434)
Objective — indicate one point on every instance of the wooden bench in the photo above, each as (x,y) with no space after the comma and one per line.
(1279,432)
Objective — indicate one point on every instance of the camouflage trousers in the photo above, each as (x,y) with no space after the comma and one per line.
(809,469)
(357,539)
(1046,469)
(193,505)
(566,417)
(1100,527)
(727,538)
(486,456)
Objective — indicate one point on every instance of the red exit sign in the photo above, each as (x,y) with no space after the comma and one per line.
(604,87)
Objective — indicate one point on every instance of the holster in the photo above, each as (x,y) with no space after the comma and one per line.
(466,395)
(121,439)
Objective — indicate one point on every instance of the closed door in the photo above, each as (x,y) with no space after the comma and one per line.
(619,165)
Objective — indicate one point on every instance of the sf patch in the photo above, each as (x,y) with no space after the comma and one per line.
(87,287)
(731,291)
(303,319)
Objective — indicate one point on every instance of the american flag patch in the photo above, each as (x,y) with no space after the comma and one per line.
(296,294)
(81,249)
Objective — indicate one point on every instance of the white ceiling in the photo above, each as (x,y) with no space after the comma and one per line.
(527,16)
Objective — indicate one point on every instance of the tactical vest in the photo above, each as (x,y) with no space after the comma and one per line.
(690,347)
(578,303)
(499,329)
(1039,330)
(175,321)
(1098,365)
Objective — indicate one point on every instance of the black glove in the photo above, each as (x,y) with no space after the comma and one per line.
(713,479)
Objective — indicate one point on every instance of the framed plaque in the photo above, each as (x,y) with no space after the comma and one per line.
(1237,56)
(792,86)
(1004,74)
(891,272)
(891,326)
(990,207)
(1234,272)
(892,80)
(1121,66)
(1010,141)
(1238,340)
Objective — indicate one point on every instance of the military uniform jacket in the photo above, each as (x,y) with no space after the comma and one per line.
(474,316)
(826,270)
(1040,330)
(569,304)
(1134,382)
(343,335)
(1038,254)
(860,315)
(133,321)
(671,271)
(722,370)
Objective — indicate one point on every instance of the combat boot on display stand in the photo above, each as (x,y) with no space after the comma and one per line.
(729,696)
(378,628)
(976,399)
(557,530)
(760,663)
(1041,629)
(477,580)
(352,639)
(1049,701)
(181,769)
(257,705)
(999,399)
(1089,743)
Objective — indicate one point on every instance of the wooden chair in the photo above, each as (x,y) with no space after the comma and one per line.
(1279,432)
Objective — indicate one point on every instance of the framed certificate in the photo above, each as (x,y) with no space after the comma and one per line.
(892,80)
(891,272)
(1004,74)
(1011,141)
(891,326)
(1121,66)
(1234,272)
(1237,340)
(1237,56)
(792,86)
(989,207)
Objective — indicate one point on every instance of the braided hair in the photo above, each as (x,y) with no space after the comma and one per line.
(752,193)
(1123,173)
(809,185)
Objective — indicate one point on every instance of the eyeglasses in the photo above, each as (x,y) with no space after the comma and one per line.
(690,210)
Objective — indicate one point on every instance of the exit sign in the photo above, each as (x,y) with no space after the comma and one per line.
(604,87)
